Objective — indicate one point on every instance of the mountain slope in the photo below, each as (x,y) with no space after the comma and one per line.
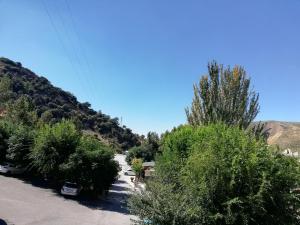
(52,104)
(284,134)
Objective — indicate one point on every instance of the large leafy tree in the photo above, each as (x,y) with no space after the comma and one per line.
(224,95)
(53,145)
(92,165)
(219,175)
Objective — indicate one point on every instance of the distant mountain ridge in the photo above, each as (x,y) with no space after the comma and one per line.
(53,104)
(284,134)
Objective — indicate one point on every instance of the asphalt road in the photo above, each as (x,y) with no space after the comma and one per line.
(27,203)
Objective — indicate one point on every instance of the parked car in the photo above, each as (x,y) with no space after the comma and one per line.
(71,189)
(9,168)
(129,172)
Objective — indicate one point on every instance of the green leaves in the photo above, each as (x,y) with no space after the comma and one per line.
(223,96)
(219,175)
(62,153)
(19,145)
(147,150)
(53,145)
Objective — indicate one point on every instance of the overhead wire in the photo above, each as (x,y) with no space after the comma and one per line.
(80,44)
(64,47)
(76,58)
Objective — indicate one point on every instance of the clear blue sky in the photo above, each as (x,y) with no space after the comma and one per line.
(138,59)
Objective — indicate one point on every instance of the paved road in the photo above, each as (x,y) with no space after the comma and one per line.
(23,203)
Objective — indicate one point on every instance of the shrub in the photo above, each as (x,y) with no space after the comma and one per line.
(147,151)
(219,175)
(91,165)
(52,146)
(19,145)
(137,166)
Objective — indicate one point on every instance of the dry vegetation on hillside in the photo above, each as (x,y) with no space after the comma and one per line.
(284,134)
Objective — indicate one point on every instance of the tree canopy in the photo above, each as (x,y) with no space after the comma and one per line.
(219,175)
(224,95)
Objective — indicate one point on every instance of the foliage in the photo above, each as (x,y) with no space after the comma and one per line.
(52,104)
(223,96)
(137,166)
(52,146)
(19,145)
(22,111)
(6,93)
(6,130)
(60,152)
(219,175)
(147,150)
(91,165)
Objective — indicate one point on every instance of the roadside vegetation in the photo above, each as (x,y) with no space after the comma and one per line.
(147,150)
(218,169)
(58,151)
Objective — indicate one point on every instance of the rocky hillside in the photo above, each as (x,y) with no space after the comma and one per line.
(284,134)
(52,104)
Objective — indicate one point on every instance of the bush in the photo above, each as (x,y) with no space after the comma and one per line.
(6,130)
(219,175)
(19,145)
(91,165)
(52,147)
(142,152)
(61,153)
(147,151)
(137,166)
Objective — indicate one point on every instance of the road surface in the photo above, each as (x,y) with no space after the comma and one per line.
(27,203)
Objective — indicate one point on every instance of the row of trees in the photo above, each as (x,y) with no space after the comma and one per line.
(219,170)
(147,150)
(57,151)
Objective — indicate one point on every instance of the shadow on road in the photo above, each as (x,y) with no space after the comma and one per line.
(115,201)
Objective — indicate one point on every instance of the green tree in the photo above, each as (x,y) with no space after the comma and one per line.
(6,130)
(92,165)
(219,175)
(47,116)
(53,145)
(137,166)
(22,111)
(147,150)
(6,93)
(19,145)
(224,95)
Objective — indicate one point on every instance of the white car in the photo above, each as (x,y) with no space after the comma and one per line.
(71,189)
(129,172)
(9,168)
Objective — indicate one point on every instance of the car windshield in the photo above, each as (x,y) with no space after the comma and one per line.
(71,185)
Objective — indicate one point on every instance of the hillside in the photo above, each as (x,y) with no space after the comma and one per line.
(284,134)
(52,104)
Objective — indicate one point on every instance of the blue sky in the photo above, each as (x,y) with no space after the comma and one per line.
(138,59)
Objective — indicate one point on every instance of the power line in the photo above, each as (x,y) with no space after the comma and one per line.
(60,39)
(76,57)
(81,47)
